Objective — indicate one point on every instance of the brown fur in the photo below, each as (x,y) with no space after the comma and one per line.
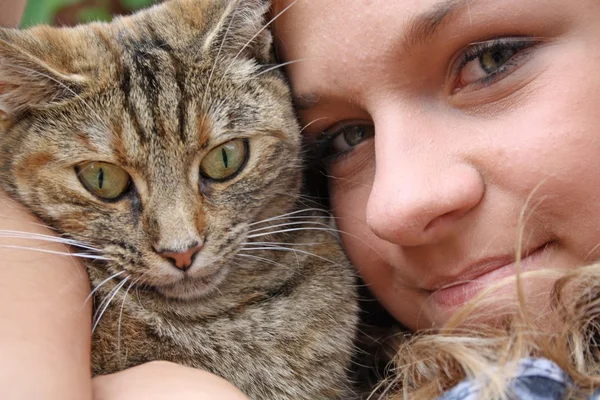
(153,94)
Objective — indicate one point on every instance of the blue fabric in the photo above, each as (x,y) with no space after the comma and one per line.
(535,379)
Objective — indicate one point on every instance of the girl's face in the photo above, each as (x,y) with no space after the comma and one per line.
(444,121)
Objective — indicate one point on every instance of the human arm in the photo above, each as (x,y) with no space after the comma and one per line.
(162,380)
(45,329)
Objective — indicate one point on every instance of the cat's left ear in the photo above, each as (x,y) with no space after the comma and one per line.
(244,29)
(26,79)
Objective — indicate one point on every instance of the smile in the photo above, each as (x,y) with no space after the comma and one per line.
(456,292)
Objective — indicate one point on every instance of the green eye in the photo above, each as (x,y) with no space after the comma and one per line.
(225,161)
(492,60)
(104,180)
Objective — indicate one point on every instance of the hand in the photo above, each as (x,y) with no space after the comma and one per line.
(161,380)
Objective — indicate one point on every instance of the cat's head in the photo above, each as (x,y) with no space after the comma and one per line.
(158,138)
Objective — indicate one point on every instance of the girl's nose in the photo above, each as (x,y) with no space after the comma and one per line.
(421,195)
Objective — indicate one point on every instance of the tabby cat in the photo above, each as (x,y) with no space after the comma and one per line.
(165,146)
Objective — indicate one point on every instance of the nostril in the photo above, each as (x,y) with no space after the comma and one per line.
(183,260)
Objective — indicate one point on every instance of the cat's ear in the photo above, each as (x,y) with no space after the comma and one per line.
(243,29)
(26,79)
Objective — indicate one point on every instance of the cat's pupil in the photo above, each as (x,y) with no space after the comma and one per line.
(225,158)
(101,178)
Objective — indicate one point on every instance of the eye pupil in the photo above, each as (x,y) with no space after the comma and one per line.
(492,60)
(355,135)
(223,162)
(104,180)
(225,158)
(101,179)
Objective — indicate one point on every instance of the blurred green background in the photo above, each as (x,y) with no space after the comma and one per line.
(72,12)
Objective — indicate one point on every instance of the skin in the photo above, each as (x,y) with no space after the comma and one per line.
(432,199)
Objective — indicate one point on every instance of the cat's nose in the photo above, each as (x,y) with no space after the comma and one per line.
(182,259)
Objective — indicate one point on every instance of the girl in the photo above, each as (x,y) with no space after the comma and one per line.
(460,141)
(459,138)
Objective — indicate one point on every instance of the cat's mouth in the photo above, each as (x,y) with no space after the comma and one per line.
(193,287)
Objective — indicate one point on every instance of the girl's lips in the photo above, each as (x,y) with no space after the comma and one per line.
(452,296)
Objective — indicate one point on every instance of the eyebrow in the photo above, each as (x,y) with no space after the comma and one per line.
(421,29)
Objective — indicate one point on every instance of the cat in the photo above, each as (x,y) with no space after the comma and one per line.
(165,146)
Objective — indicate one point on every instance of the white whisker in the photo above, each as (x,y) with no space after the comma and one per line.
(8,234)
(282,216)
(310,223)
(329,230)
(60,253)
(314,121)
(121,315)
(104,306)
(281,244)
(263,259)
(296,251)
(256,35)
(212,70)
(102,283)
(264,71)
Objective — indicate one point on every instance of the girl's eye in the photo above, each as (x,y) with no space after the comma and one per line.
(486,62)
(341,139)
(107,181)
(225,161)
(349,136)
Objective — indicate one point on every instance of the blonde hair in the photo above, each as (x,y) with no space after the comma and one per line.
(429,363)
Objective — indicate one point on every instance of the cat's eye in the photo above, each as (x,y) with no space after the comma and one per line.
(104,180)
(225,161)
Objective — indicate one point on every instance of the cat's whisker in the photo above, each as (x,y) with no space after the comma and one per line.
(328,230)
(314,121)
(8,234)
(256,35)
(121,315)
(264,71)
(279,244)
(283,216)
(104,299)
(336,232)
(310,223)
(214,66)
(280,248)
(101,284)
(263,259)
(106,303)
(60,253)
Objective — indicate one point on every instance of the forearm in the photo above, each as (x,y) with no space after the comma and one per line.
(164,381)
(45,328)
(11,12)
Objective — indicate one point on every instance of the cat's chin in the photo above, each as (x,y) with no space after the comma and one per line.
(190,289)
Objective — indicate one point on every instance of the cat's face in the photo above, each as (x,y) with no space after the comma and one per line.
(155,138)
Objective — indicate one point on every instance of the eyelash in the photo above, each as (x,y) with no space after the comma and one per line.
(324,144)
(477,50)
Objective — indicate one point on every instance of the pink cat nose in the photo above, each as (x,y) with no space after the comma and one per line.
(182,260)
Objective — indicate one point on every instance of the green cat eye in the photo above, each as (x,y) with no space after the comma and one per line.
(104,180)
(225,161)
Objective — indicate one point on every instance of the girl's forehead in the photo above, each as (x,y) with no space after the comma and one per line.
(336,45)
